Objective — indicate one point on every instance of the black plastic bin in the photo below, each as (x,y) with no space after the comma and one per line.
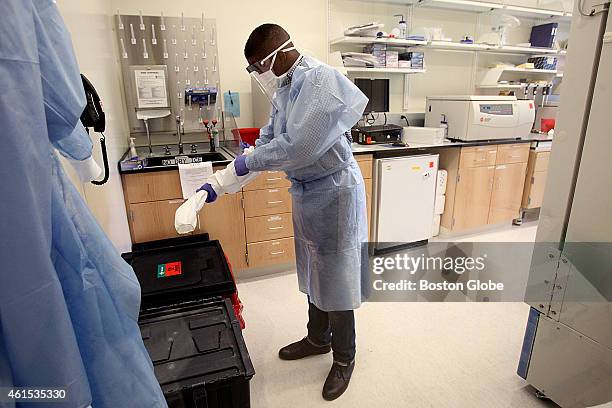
(190,331)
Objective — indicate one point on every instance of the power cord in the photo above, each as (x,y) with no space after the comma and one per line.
(406,119)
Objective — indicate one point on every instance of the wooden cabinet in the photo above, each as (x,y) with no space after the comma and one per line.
(535,180)
(224,220)
(507,192)
(478,156)
(512,153)
(268,220)
(152,186)
(485,184)
(266,253)
(269,227)
(473,197)
(153,220)
(267,202)
(152,198)
(365,162)
(269,180)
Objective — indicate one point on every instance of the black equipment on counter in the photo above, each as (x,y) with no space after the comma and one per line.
(376,134)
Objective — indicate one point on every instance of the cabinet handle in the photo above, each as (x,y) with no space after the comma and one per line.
(277,253)
(275,202)
(275,228)
(274,179)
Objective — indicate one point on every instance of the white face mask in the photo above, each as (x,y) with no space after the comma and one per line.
(268,81)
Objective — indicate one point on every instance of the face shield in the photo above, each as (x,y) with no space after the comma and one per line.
(262,72)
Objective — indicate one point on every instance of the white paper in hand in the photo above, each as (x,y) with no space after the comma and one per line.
(186,216)
(193,176)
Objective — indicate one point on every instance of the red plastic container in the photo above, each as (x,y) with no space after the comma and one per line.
(249,135)
(547,124)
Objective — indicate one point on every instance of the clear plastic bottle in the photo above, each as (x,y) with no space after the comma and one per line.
(403,27)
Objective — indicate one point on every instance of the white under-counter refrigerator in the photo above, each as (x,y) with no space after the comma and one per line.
(405,199)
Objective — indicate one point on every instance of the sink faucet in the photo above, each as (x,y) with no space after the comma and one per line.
(210,127)
(179,133)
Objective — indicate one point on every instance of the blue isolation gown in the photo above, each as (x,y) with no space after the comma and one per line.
(306,138)
(68,302)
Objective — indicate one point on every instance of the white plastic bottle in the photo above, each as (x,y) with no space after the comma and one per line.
(403,27)
(133,152)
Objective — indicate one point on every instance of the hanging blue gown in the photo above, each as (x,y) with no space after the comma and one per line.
(68,302)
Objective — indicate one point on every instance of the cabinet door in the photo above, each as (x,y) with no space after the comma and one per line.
(368,191)
(153,220)
(473,197)
(224,220)
(536,189)
(154,186)
(507,192)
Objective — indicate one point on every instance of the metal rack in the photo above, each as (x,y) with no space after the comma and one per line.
(185,49)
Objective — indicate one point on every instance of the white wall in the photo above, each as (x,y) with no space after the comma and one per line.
(304,20)
(89,23)
(449,73)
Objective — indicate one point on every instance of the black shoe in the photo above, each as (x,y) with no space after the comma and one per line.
(301,349)
(337,380)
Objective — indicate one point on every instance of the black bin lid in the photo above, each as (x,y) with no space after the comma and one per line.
(180,270)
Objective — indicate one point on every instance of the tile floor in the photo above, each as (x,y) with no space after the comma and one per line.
(408,354)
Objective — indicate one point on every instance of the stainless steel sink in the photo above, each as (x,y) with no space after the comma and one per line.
(160,160)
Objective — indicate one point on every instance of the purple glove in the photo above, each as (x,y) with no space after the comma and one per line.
(212,196)
(240,165)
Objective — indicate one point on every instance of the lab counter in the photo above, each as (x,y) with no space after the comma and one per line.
(379,149)
(254,226)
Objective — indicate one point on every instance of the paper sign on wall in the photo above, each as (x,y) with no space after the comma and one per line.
(151,88)
(193,176)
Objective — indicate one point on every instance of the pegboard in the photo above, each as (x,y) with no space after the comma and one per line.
(185,49)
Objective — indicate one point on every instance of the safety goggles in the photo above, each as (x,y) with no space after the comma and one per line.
(260,67)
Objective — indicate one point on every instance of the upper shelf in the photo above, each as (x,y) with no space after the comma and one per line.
(397,42)
(483,6)
(493,77)
(446,45)
(385,70)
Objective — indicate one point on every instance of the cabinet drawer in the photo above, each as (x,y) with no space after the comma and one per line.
(365,165)
(269,227)
(268,180)
(478,156)
(267,202)
(271,252)
(541,161)
(513,153)
(153,186)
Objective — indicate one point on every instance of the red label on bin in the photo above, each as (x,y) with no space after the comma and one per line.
(431,164)
(169,269)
